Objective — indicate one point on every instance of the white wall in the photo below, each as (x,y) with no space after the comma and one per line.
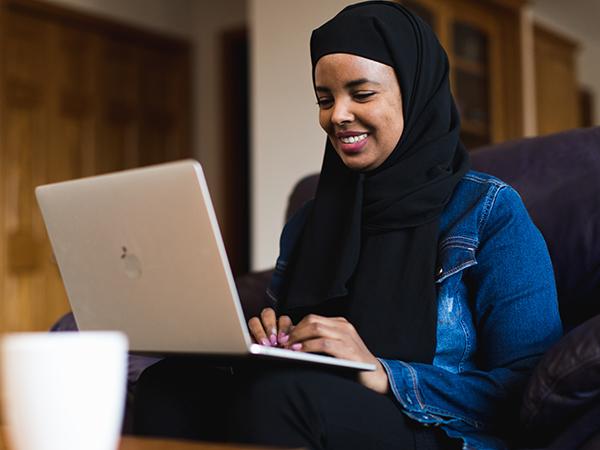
(210,19)
(577,19)
(287,142)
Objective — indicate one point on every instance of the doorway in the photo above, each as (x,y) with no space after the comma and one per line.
(236,160)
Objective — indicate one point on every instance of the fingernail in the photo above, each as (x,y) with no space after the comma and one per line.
(284,338)
(296,346)
(265,341)
(273,339)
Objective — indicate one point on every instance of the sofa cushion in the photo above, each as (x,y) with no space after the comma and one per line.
(558,177)
(566,381)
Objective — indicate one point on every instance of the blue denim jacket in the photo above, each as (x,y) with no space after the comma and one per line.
(497,313)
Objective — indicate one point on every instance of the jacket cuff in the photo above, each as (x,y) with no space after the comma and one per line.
(404,383)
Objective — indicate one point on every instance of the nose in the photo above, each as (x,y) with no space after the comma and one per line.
(341,112)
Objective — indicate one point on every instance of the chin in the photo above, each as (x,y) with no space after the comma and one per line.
(357,166)
(353,165)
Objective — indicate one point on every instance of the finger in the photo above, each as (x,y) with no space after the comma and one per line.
(328,346)
(339,319)
(285,325)
(269,323)
(313,327)
(258,332)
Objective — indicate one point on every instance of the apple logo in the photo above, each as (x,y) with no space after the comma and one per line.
(131,264)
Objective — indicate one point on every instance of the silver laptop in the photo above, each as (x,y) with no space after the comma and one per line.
(140,251)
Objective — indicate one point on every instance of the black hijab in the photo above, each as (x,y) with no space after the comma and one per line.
(371,239)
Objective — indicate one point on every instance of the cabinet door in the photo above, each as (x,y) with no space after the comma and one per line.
(25,105)
(471,36)
(474,57)
(557,91)
(75,102)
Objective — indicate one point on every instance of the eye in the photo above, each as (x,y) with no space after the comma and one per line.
(362,96)
(325,102)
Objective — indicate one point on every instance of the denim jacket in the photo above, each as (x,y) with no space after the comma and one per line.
(497,314)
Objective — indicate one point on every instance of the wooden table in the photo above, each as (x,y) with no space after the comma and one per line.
(135,443)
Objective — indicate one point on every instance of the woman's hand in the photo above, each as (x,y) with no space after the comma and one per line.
(337,337)
(268,330)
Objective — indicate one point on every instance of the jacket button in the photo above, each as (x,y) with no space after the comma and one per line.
(440,271)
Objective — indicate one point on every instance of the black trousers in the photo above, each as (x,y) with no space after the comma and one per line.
(274,405)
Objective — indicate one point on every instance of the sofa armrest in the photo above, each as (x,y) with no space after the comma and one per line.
(566,382)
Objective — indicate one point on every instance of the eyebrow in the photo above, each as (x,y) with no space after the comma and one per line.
(348,85)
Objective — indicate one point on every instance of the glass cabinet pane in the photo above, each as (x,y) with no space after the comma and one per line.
(472,90)
(471,82)
(469,43)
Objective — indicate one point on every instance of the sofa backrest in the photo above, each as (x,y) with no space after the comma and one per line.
(558,177)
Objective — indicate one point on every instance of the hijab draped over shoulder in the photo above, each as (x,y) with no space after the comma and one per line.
(370,242)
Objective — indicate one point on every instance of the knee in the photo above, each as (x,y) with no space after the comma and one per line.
(279,408)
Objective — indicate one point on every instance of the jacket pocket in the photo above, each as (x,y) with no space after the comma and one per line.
(454,256)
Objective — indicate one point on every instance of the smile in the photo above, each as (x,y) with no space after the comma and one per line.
(353,139)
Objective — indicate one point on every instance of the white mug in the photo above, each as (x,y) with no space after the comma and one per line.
(64,390)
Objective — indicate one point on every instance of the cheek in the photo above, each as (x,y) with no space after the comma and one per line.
(396,129)
(394,126)
(389,132)
(324,119)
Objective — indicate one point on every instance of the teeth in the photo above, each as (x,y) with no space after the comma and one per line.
(353,139)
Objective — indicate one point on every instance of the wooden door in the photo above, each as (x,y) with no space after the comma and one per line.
(557,90)
(79,96)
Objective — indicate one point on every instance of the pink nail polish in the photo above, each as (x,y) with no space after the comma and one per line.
(273,339)
(284,338)
(296,346)
(265,341)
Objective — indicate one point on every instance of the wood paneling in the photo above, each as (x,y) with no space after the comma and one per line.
(79,96)
(557,89)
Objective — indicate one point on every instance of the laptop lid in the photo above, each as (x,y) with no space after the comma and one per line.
(140,251)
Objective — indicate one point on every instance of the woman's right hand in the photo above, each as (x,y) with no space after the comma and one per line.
(270,331)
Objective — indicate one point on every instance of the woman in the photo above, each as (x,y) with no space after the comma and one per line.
(405,259)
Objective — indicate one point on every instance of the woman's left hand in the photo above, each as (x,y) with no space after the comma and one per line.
(337,337)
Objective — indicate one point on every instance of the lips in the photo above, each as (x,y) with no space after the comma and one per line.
(352,142)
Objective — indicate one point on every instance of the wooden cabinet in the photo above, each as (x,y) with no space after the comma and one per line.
(483,42)
(79,96)
(557,88)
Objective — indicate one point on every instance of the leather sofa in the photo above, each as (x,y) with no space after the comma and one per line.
(558,177)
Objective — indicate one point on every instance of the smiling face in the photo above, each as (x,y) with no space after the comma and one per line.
(360,108)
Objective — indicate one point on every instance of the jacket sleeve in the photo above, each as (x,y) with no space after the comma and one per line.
(513,303)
